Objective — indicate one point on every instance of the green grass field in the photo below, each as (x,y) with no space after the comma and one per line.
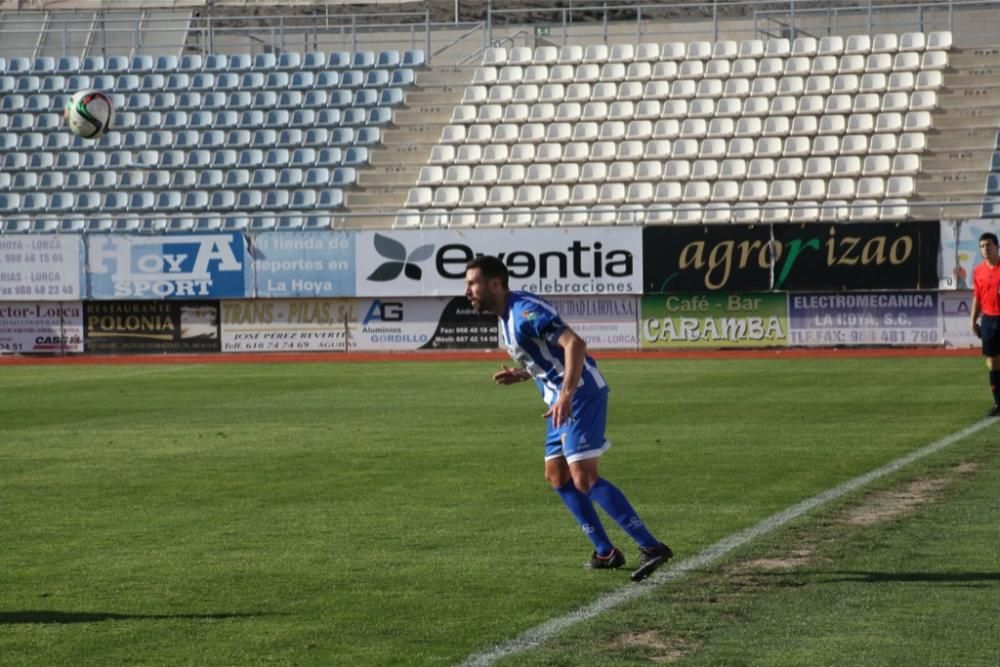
(396,513)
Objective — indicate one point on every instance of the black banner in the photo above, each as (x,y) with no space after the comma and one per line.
(461,327)
(118,327)
(744,258)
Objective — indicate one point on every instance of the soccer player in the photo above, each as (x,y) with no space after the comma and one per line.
(986,311)
(555,357)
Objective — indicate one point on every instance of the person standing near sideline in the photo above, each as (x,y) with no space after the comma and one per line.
(555,357)
(986,311)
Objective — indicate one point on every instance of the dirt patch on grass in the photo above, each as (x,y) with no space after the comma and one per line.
(888,504)
(794,558)
(667,650)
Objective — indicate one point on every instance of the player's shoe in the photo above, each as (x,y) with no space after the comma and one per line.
(612,561)
(994,411)
(650,559)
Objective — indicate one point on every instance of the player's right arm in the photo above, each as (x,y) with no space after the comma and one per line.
(507,375)
(977,307)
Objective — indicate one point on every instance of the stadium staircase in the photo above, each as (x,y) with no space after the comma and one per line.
(958,156)
(383,186)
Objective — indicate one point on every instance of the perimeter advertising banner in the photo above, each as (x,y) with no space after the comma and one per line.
(602,321)
(120,327)
(41,327)
(303,264)
(183,266)
(960,250)
(737,258)
(280,325)
(582,261)
(389,324)
(711,320)
(425,324)
(41,268)
(956,320)
(872,318)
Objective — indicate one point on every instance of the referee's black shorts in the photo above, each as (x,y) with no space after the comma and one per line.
(989,332)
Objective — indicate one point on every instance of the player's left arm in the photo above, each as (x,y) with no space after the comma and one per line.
(575,352)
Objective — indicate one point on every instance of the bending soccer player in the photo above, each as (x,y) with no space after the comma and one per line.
(555,357)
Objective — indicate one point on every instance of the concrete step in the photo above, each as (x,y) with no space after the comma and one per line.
(970,58)
(967,118)
(414,135)
(965,188)
(389,177)
(382,198)
(440,95)
(933,163)
(445,76)
(424,115)
(981,138)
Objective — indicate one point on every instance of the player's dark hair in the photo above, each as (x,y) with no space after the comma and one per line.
(989,236)
(491,267)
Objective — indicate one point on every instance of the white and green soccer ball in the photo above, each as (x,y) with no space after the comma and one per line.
(88,114)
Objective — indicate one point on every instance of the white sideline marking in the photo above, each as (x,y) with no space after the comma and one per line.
(541,633)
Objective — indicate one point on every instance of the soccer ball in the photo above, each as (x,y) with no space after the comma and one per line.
(88,114)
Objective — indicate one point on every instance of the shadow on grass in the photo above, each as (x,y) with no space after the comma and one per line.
(974,579)
(70,617)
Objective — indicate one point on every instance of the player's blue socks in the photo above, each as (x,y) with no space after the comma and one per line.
(617,506)
(583,510)
(995,386)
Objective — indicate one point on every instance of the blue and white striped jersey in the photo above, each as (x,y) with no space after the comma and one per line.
(530,328)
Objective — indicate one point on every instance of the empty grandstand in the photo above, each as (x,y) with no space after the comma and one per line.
(505,124)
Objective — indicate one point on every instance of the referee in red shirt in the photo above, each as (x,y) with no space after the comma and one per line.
(986,302)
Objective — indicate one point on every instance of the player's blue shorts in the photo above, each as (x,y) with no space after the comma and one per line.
(989,332)
(582,437)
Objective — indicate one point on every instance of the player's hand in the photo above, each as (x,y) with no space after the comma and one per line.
(975,329)
(561,411)
(510,375)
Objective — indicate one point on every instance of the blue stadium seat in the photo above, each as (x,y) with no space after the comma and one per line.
(303,157)
(209,81)
(288,222)
(329,156)
(67,65)
(87,202)
(376,78)
(355,156)
(341,136)
(278,118)
(402,77)
(343,177)
(18,65)
(249,200)
(368,136)
(207,223)
(10,202)
(252,81)
(302,80)
(390,97)
(30,141)
(182,179)
(48,121)
(337,98)
(183,225)
(61,202)
(365,97)
(352,78)
(276,158)
(224,120)
(52,180)
(213,100)
(141,201)
(267,99)
(993,184)
(363,60)
(189,62)
(163,96)
(99,225)
(114,202)
(54,84)
(292,99)
(289,60)
(237,178)
(235,223)
(71,225)
(120,159)
(379,116)
(330,198)
(176,82)
(169,63)
(353,117)
(326,117)
(67,160)
(11,103)
(213,139)
(222,200)
(187,139)
(156,179)
(289,138)
(265,61)
(304,199)
(43,160)
(116,64)
(313,60)
(276,80)
(77,180)
(991,208)
(995,162)
(91,65)
(105,179)
(169,200)
(142,64)
(27,84)
(275,200)
(250,158)
(288,178)
(160,140)
(239,62)
(251,119)
(25,180)
(216,62)
(43,65)
(56,141)
(264,138)
(263,178)
(388,59)
(38,103)
(328,79)
(195,201)
(335,60)
(316,177)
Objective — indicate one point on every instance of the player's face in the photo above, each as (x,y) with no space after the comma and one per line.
(989,250)
(479,292)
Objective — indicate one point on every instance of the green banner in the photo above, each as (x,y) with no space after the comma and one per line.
(749,319)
